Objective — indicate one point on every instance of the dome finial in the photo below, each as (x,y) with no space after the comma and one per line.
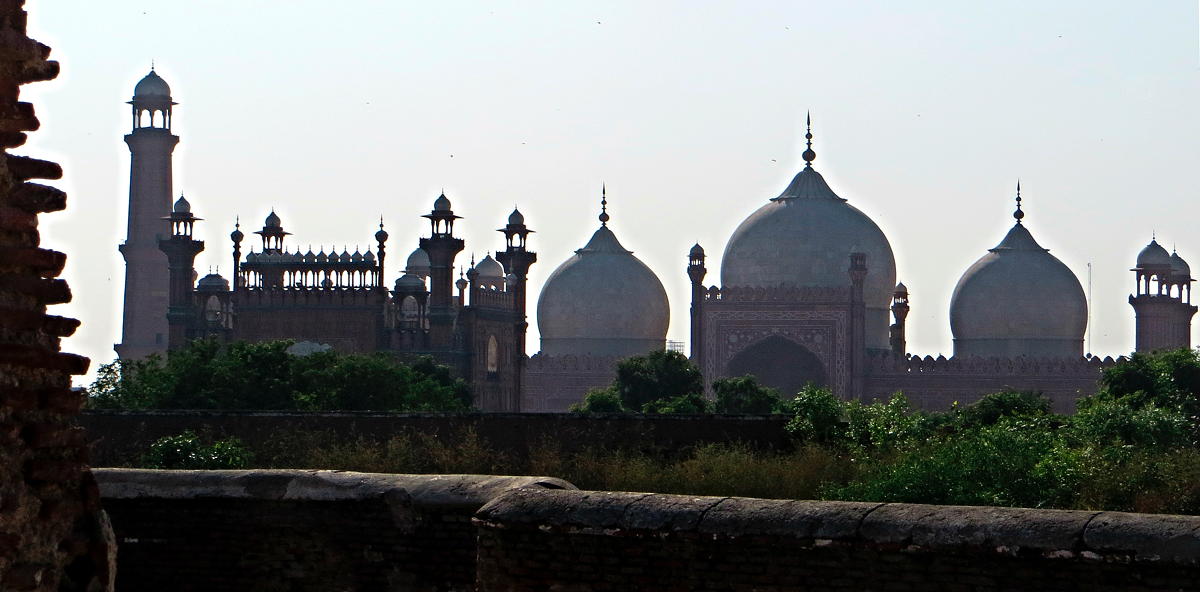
(604,217)
(1018,214)
(808,155)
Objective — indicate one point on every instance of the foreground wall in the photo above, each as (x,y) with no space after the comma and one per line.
(582,541)
(297,530)
(52,532)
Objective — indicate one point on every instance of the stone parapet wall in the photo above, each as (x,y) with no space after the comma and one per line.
(583,541)
(297,530)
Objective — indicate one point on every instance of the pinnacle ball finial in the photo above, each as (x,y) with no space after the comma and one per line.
(604,217)
(1018,214)
(809,155)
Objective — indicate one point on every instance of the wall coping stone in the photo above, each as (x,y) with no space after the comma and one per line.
(673,417)
(1051,534)
(419,491)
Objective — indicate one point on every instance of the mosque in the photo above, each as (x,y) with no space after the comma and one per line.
(808,294)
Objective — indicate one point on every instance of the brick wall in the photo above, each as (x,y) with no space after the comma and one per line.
(297,530)
(52,532)
(583,541)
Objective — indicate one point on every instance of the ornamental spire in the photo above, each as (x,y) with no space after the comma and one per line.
(808,155)
(1018,214)
(604,217)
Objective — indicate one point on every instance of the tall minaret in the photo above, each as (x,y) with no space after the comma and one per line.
(442,247)
(144,328)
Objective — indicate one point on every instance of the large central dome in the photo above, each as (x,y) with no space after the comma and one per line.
(603,301)
(804,238)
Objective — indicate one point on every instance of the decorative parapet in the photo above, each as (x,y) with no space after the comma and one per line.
(888,363)
(487,297)
(780,294)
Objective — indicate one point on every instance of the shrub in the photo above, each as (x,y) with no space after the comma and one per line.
(603,400)
(187,451)
(1014,462)
(882,425)
(743,394)
(991,408)
(1108,422)
(816,415)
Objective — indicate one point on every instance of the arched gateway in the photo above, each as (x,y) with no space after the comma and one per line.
(779,363)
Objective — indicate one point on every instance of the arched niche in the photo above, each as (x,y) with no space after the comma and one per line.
(779,363)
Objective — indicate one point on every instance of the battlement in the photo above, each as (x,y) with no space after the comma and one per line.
(781,294)
(881,363)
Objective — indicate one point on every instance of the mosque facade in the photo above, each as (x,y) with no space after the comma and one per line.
(808,293)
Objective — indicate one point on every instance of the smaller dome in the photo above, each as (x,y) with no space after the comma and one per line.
(346,258)
(489,268)
(901,288)
(182,206)
(236,236)
(272,220)
(213,282)
(356,257)
(516,218)
(322,257)
(441,204)
(310,257)
(1179,267)
(418,262)
(334,257)
(410,283)
(696,252)
(369,257)
(152,86)
(1154,254)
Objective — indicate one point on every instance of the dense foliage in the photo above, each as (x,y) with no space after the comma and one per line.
(667,382)
(1131,446)
(206,375)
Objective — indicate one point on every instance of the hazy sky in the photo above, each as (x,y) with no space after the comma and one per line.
(925,114)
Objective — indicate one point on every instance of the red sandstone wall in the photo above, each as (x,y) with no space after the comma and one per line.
(52,534)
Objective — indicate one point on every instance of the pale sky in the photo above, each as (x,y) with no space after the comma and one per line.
(925,114)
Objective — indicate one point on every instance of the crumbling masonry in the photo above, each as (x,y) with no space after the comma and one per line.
(53,535)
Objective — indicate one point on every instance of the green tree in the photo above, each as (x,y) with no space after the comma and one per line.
(743,394)
(658,375)
(688,403)
(242,375)
(816,415)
